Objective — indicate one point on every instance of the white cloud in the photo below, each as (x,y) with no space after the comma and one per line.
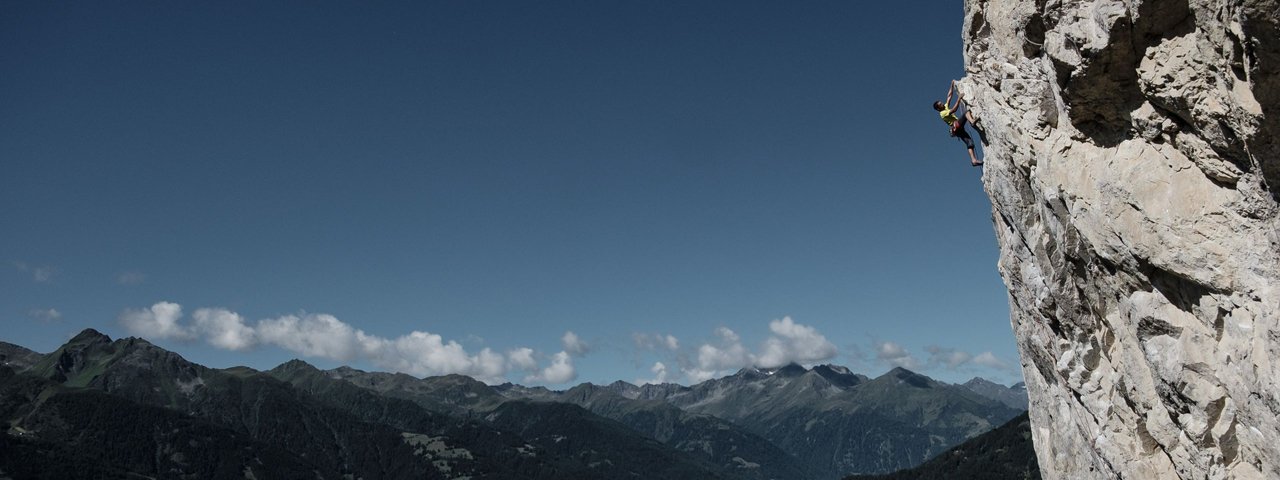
(794,343)
(949,358)
(645,341)
(522,359)
(896,355)
(490,366)
(574,345)
(158,322)
(788,342)
(325,336)
(560,371)
(659,371)
(696,376)
(423,354)
(313,335)
(940,357)
(224,329)
(130,278)
(45,314)
(728,354)
(989,360)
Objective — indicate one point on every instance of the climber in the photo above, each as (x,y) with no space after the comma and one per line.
(947,111)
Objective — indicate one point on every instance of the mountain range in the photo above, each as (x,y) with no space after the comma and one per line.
(125,407)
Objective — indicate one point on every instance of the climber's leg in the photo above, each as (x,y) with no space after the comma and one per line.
(963,135)
(982,132)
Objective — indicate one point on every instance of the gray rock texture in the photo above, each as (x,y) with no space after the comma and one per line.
(1133,167)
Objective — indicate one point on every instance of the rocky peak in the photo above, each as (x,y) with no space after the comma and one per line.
(748,374)
(834,369)
(584,393)
(839,376)
(456,380)
(625,389)
(1133,166)
(978,382)
(89,336)
(293,369)
(907,377)
(74,356)
(512,390)
(660,390)
(788,370)
(344,371)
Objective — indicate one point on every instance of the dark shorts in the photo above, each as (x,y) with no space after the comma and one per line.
(962,134)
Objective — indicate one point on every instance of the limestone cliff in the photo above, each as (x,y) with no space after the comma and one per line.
(1133,168)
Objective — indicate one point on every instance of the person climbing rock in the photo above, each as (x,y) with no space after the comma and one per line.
(948,113)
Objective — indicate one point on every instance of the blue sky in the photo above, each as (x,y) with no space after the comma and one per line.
(247,183)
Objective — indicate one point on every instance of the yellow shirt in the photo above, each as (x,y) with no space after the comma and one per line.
(947,116)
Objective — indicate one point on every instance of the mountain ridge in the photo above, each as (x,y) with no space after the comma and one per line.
(371,435)
(776,403)
(680,428)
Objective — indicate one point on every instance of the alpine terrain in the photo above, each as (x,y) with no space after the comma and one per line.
(115,408)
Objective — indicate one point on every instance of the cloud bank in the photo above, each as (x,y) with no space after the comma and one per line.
(325,336)
(160,321)
(655,341)
(944,358)
(45,314)
(791,342)
(560,371)
(659,371)
(574,345)
(788,342)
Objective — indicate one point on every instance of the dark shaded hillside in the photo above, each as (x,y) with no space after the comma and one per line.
(607,448)
(712,442)
(1003,453)
(789,422)
(540,440)
(452,394)
(17,357)
(78,433)
(251,404)
(128,407)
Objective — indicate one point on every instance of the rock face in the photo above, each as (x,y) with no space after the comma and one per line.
(1133,168)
